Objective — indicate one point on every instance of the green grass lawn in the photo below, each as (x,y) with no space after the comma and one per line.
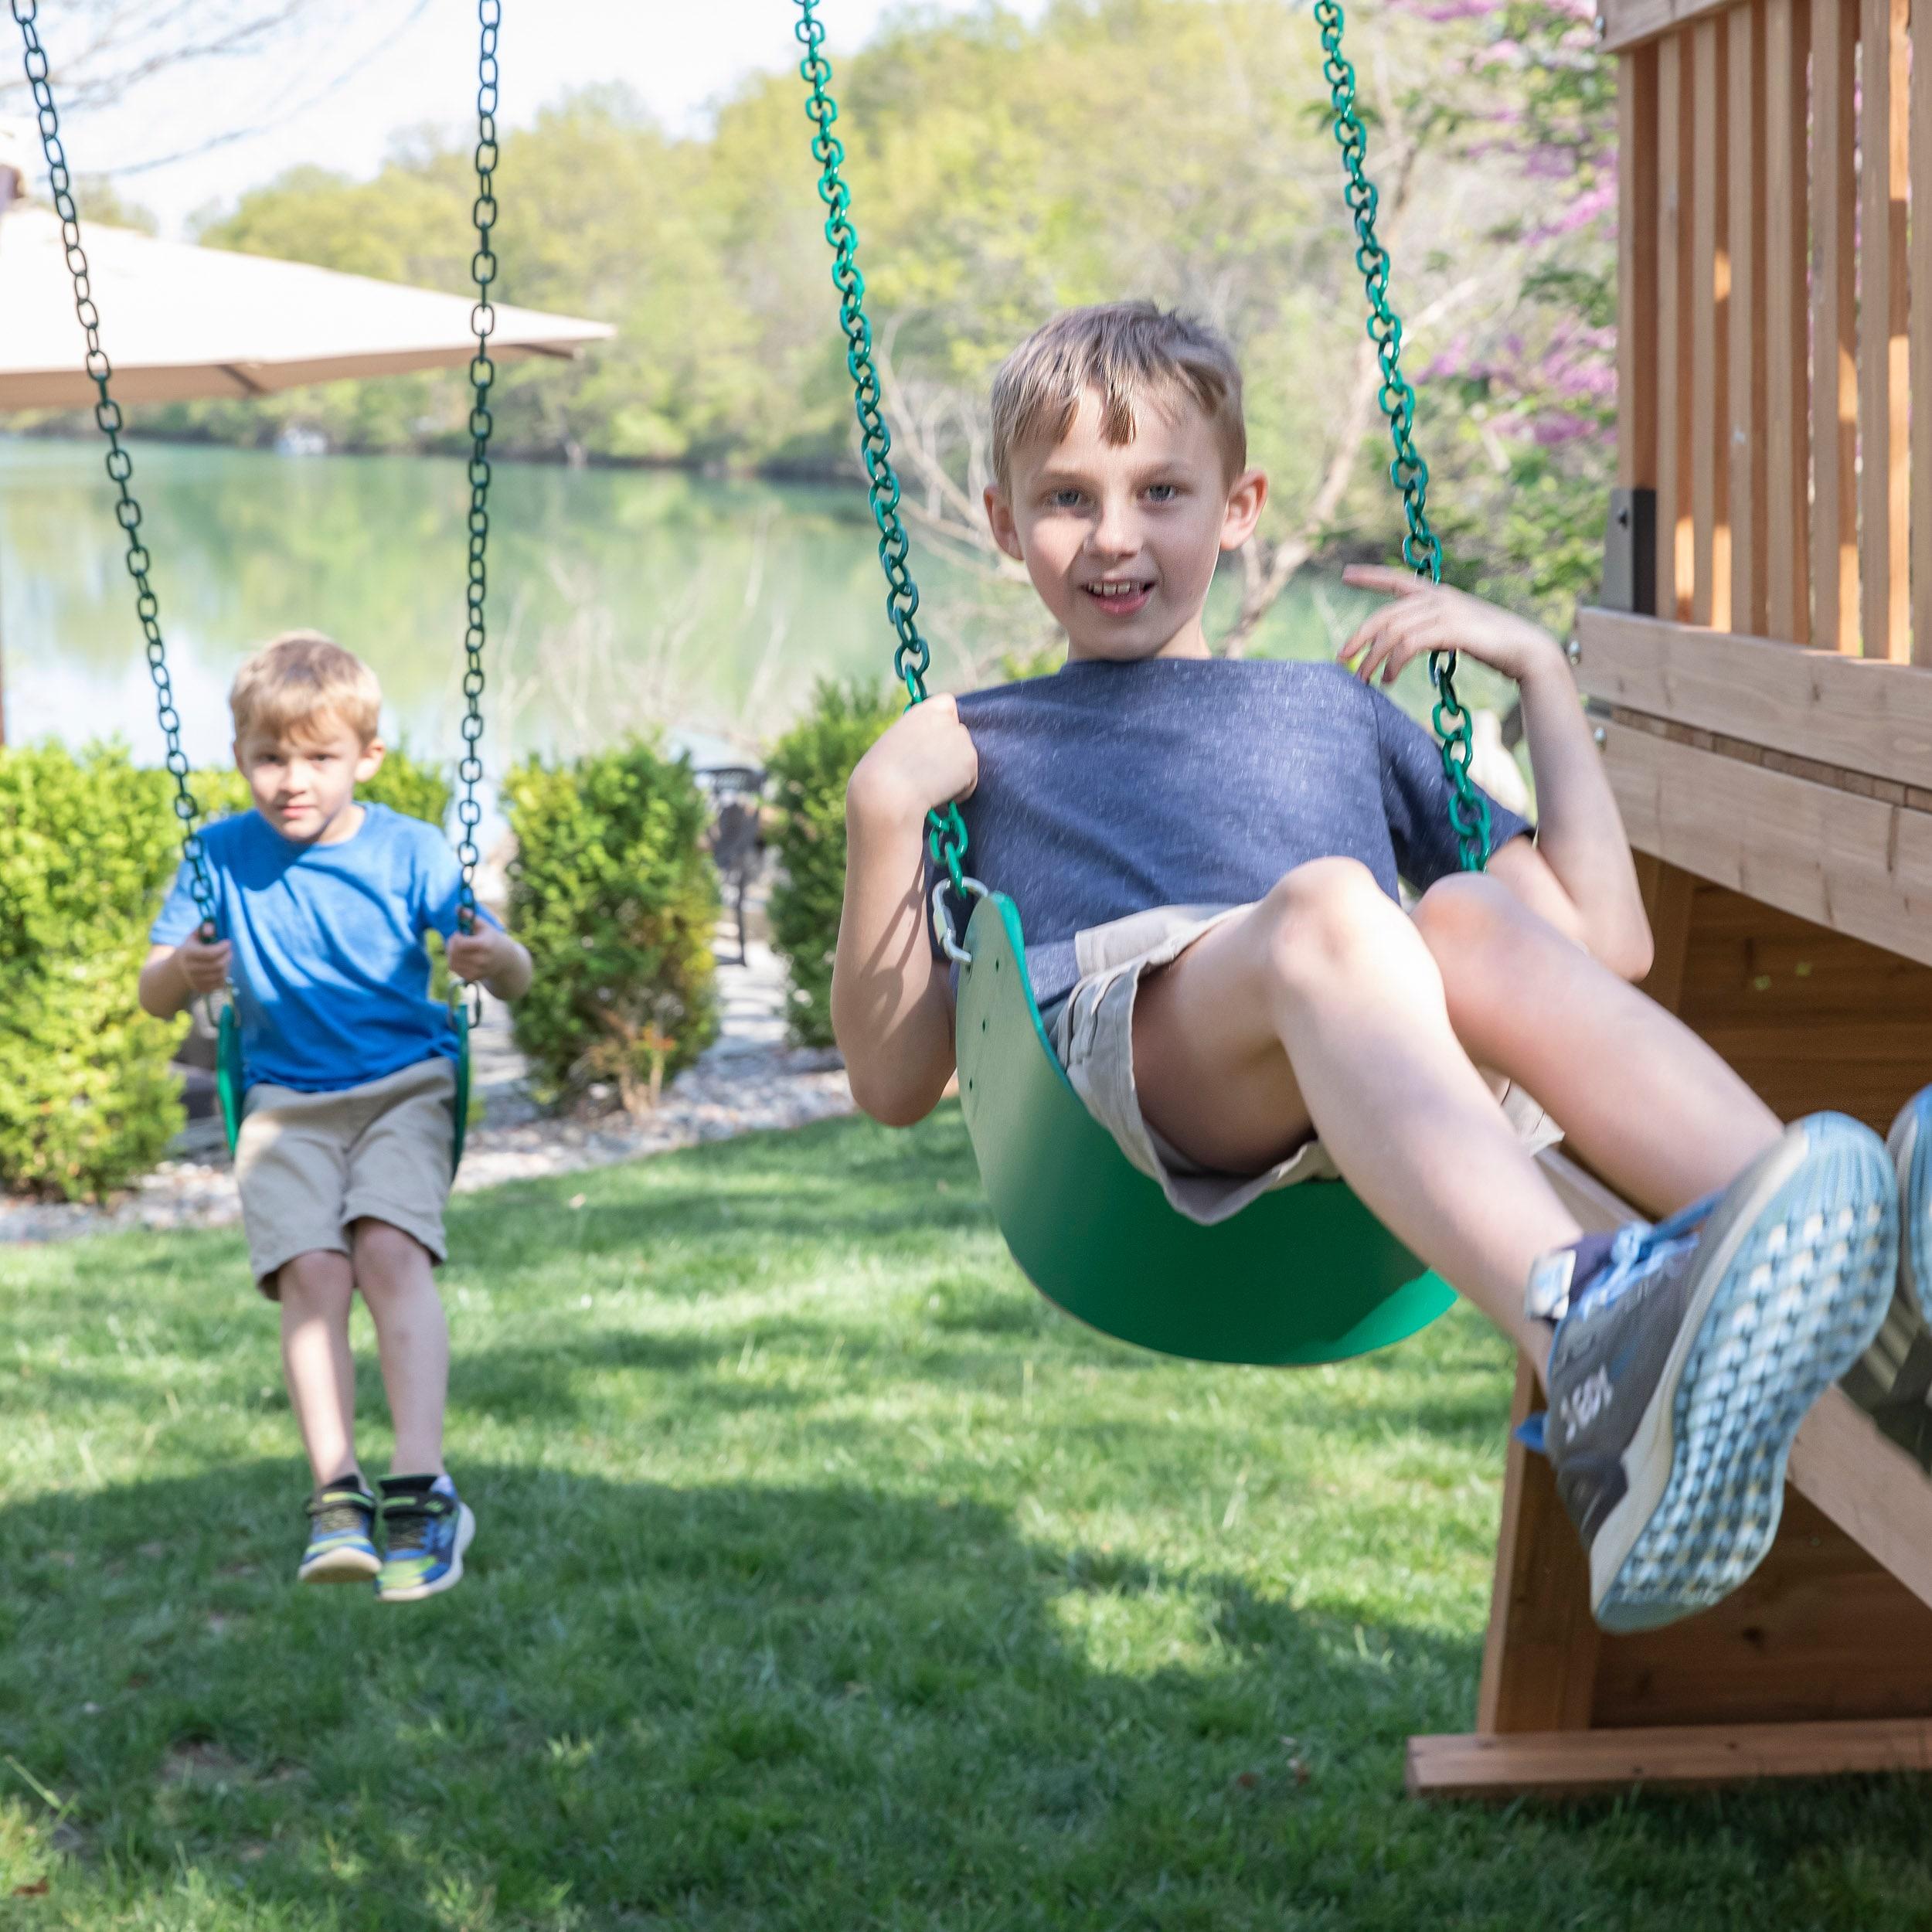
(824,1579)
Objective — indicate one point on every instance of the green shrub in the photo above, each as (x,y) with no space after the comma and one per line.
(87,844)
(810,764)
(613,892)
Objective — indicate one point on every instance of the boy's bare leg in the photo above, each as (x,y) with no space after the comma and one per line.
(393,1271)
(316,1289)
(1647,1104)
(1324,1004)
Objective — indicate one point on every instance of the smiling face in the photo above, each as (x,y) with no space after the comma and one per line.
(1120,539)
(304,780)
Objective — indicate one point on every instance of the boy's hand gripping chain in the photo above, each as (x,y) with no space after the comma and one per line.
(1468,810)
(121,465)
(946,831)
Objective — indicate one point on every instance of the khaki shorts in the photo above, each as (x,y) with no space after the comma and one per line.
(1092,1031)
(310,1165)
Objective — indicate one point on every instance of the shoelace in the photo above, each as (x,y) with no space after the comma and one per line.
(1635,1252)
(340,1509)
(407,1523)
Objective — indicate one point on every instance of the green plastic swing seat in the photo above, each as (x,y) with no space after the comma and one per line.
(1306,1275)
(231,1082)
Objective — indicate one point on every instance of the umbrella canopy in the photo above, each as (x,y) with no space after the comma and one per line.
(179,321)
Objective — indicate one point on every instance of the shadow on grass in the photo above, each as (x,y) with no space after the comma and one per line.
(795,1706)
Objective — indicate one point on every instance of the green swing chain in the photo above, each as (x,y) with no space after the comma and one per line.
(946,835)
(469,813)
(121,464)
(1468,809)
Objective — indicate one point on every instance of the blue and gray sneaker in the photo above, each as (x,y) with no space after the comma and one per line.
(1892,1381)
(1687,1355)
(427,1528)
(341,1515)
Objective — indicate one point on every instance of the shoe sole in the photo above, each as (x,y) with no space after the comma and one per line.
(1911,1147)
(1801,1261)
(341,1566)
(465,1530)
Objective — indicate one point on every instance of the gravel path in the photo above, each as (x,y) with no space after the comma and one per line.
(748,1080)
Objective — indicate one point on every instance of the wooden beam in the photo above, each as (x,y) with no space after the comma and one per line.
(1710,314)
(1834,552)
(1866,716)
(1629,23)
(1885,609)
(1637,270)
(1855,864)
(1788,388)
(1559,1764)
(1920,330)
(1745,324)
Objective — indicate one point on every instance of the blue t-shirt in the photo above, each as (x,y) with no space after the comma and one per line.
(331,977)
(1107,789)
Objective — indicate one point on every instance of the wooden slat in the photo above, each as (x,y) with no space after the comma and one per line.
(1885,613)
(1710,287)
(1629,23)
(1855,864)
(1637,231)
(1834,562)
(1560,1764)
(1921,329)
(1862,715)
(1672,325)
(1788,390)
(1745,311)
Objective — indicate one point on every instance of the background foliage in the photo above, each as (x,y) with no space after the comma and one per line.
(613,892)
(808,768)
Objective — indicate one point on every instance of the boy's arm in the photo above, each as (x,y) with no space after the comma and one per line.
(491,955)
(1579,873)
(892,1009)
(173,976)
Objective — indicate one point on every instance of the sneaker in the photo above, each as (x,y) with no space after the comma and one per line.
(1687,1354)
(427,1528)
(1892,1381)
(341,1549)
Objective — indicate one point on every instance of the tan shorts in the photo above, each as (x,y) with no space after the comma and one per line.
(310,1165)
(1092,1031)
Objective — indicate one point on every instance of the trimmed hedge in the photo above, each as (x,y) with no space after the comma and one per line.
(614,894)
(87,844)
(811,765)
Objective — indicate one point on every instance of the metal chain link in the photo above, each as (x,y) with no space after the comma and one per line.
(469,812)
(121,465)
(946,834)
(1468,809)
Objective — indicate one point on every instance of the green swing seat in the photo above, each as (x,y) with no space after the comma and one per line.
(1305,1275)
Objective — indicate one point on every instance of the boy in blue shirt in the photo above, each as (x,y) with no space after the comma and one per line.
(1207,853)
(344,1157)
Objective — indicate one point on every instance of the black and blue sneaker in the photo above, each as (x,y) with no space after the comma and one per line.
(341,1516)
(1892,1381)
(1688,1353)
(426,1527)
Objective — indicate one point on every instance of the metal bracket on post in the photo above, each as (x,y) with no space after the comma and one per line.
(1630,553)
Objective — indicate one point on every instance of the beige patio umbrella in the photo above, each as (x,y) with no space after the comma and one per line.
(179,321)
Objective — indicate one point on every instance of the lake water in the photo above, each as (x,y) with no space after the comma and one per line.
(621,600)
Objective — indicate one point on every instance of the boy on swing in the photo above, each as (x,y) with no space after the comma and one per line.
(344,1158)
(1206,854)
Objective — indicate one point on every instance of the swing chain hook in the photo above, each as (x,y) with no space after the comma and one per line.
(120,464)
(946,831)
(1421,548)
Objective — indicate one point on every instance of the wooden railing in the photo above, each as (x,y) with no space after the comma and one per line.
(1776,310)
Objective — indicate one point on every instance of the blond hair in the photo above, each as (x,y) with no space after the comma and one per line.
(297,679)
(1127,352)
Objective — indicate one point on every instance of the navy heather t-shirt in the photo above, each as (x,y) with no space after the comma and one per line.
(1107,789)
